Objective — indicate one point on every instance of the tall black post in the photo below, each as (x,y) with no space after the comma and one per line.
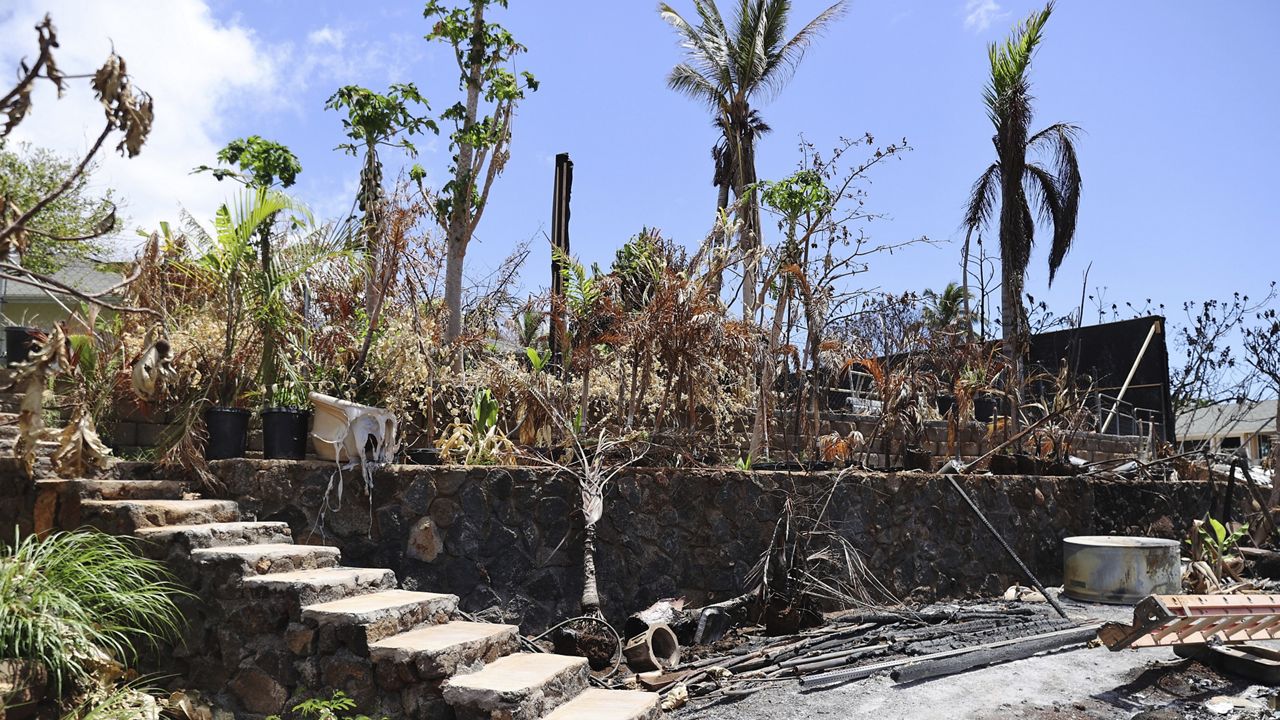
(560,246)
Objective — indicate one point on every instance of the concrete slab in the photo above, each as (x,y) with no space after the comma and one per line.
(362,619)
(124,517)
(597,704)
(316,586)
(522,686)
(261,559)
(223,534)
(441,650)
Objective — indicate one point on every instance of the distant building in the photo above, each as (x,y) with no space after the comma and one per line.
(1230,425)
(22,304)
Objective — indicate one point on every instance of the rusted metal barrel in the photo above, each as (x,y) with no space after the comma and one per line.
(1119,569)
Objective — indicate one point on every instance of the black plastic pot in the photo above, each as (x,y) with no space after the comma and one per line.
(984,408)
(1027,465)
(424,456)
(946,404)
(228,432)
(19,341)
(284,433)
(1004,465)
(914,458)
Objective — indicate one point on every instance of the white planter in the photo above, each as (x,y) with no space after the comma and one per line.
(342,430)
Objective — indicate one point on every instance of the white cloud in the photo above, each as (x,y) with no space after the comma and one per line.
(978,14)
(197,69)
(327,36)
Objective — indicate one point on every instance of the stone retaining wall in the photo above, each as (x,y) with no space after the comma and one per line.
(509,538)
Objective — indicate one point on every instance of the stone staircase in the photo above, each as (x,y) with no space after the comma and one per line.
(272,622)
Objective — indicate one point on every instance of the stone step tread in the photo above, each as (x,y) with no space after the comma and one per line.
(212,533)
(167,505)
(364,609)
(518,673)
(128,516)
(598,704)
(122,489)
(311,584)
(263,551)
(436,638)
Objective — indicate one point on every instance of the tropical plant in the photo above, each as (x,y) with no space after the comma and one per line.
(527,324)
(262,163)
(1218,543)
(1027,192)
(588,301)
(225,262)
(481,143)
(944,310)
(479,442)
(333,708)
(802,194)
(82,603)
(375,120)
(728,69)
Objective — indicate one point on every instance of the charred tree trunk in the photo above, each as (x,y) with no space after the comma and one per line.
(590,590)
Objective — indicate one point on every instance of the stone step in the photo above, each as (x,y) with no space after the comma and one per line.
(597,704)
(439,651)
(239,561)
(185,538)
(124,517)
(523,686)
(357,621)
(118,489)
(10,465)
(310,587)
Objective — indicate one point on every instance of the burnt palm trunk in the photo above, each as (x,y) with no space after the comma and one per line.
(964,276)
(722,201)
(590,589)
(1015,247)
(750,237)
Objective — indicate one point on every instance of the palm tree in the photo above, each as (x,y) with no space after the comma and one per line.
(945,310)
(728,71)
(1016,184)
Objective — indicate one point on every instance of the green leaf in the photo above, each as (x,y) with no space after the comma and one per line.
(1219,531)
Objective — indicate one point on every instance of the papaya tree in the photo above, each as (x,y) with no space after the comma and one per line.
(481,137)
(260,165)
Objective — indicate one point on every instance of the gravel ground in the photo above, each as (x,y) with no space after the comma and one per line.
(1093,683)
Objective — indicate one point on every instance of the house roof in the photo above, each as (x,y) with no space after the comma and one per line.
(87,276)
(1227,419)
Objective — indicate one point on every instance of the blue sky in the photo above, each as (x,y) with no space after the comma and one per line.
(1178,102)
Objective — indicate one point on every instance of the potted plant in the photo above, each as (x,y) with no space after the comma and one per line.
(285,421)
(227,266)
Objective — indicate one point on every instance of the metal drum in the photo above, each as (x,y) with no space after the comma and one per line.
(1119,569)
